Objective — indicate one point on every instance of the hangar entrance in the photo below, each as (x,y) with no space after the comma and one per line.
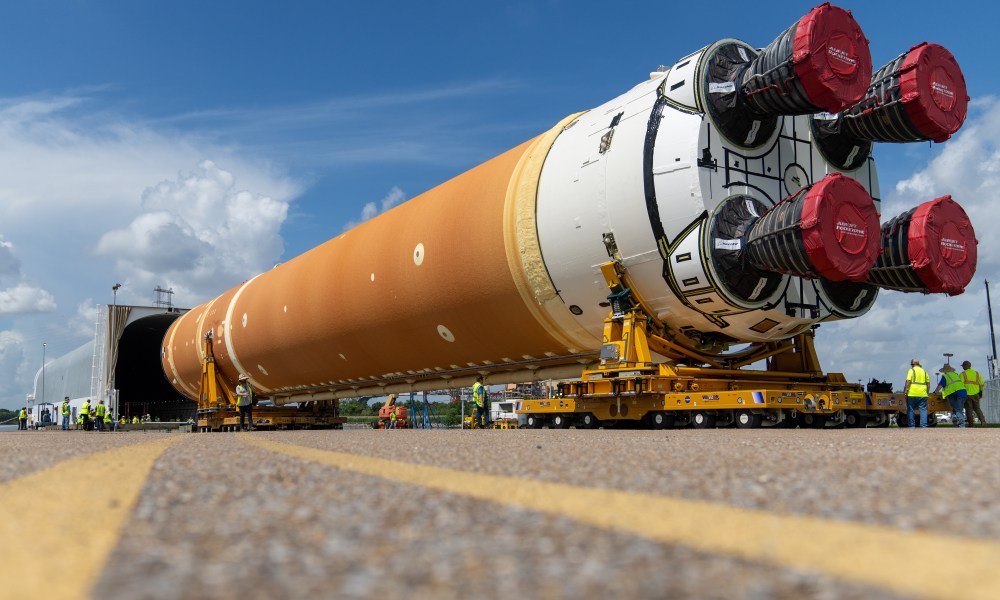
(142,386)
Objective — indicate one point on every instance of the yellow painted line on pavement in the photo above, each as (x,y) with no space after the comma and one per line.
(921,564)
(58,526)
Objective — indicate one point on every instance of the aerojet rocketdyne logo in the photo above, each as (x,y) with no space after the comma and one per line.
(850,228)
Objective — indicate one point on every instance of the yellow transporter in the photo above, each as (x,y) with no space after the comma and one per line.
(649,402)
(218,411)
(702,408)
(269,417)
(628,388)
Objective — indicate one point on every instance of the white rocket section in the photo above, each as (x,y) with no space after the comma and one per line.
(592,184)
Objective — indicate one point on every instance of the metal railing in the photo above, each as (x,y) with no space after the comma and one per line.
(991,401)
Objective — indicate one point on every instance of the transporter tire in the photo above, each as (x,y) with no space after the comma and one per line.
(854,419)
(561,422)
(748,420)
(813,421)
(533,422)
(589,421)
(661,420)
(702,419)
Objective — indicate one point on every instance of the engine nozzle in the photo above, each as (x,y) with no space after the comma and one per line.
(931,249)
(821,63)
(825,231)
(920,95)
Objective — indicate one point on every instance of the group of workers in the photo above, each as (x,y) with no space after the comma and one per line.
(481,417)
(99,415)
(962,391)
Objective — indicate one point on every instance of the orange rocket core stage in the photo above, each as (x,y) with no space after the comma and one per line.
(438,284)
(454,283)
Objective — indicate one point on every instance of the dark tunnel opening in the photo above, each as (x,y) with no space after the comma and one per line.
(143,388)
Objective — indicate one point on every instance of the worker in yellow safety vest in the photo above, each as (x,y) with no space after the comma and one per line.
(22,419)
(108,420)
(85,414)
(974,389)
(99,411)
(479,398)
(244,402)
(392,418)
(65,413)
(953,390)
(915,390)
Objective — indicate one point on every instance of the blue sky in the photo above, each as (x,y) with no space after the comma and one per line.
(116,116)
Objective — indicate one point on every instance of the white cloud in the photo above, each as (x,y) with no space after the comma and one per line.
(373,209)
(968,169)
(903,326)
(24,298)
(83,323)
(199,234)
(9,264)
(89,198)
(13,367)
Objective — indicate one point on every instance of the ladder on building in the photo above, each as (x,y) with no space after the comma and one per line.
(97,365)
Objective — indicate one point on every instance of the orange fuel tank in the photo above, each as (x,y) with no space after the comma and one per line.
(388,305)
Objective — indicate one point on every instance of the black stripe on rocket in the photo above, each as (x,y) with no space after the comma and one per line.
(665,245)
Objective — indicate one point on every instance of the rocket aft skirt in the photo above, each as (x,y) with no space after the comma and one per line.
(444,286)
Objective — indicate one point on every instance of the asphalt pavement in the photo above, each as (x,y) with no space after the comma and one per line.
(876,513)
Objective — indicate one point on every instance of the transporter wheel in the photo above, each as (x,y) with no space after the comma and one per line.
(589,421)
(854,419)
(813,421)
(702,419)
(533,422)
(661,420)
(561,422)
(932,420)
(748,420)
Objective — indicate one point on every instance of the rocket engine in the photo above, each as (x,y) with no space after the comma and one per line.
(737,187)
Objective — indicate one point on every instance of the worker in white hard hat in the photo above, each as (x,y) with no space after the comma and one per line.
(954,392)
(244,400)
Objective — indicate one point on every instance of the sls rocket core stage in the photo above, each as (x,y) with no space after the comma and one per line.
(736,187)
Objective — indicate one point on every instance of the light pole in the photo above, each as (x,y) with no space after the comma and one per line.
(993,337)
(43,372)
(947,358)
